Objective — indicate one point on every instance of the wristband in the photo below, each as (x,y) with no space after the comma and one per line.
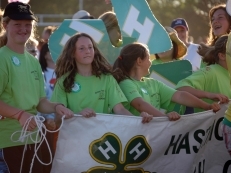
(20,115)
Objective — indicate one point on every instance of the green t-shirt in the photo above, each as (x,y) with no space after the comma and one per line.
(100,94)
(21,86)
(152,91)
(213,78)
(203,64)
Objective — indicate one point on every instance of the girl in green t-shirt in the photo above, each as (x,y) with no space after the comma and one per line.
(84,80)
(210,83)
(147,94)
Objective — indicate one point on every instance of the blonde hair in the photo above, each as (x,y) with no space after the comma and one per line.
(1,20)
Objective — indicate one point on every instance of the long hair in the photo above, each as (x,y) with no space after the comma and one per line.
(66,64)
(3,36)
(210,53)
(127,59)
(212,38)
(42,54)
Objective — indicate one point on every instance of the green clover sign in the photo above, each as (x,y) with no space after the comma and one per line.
(136,22)
(108,151)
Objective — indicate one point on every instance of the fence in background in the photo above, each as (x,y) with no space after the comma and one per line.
(52,19)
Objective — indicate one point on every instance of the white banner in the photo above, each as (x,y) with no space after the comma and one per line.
(115,143)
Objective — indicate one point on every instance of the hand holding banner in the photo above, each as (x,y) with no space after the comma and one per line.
(117,143)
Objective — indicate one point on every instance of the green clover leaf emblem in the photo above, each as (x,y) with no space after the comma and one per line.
(108,151)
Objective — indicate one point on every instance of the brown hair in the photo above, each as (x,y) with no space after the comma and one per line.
(210,53)
(66,64)
(212,38)
(127,59)
(49,30)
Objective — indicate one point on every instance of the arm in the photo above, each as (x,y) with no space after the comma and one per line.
(47,107)
(204,94)
(8,111)
(18,114)
(197,93)
(187,99)
(120,110)
(142,106)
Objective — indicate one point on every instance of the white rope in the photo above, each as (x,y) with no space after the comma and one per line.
(40,138)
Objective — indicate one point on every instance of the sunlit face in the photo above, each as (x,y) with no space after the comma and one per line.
(18,31)
(182,33)
(146,64)
(84,51)
(115,37)
(219,23)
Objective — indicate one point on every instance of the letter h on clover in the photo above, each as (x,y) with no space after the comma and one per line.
(108,151)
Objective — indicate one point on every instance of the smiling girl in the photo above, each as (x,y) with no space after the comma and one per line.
(147,94)
(220,23)
(21,92)
(84,80)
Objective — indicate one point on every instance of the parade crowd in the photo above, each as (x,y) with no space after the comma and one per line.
(83,82)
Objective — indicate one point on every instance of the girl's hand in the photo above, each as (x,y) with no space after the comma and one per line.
(215,107)
(50,124)
(146,117)
(218,97)
(88,113)
(173,116)
(62,110)
(22,118)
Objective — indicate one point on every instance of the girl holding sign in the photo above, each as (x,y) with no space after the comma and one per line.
(21,93)
(147,94)
(212,82)
(84,80)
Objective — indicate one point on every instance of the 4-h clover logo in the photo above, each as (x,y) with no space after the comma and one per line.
(108,151)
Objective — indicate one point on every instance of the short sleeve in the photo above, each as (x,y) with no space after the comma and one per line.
(130,90)
(115,93)
(197,80)
(59,94)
